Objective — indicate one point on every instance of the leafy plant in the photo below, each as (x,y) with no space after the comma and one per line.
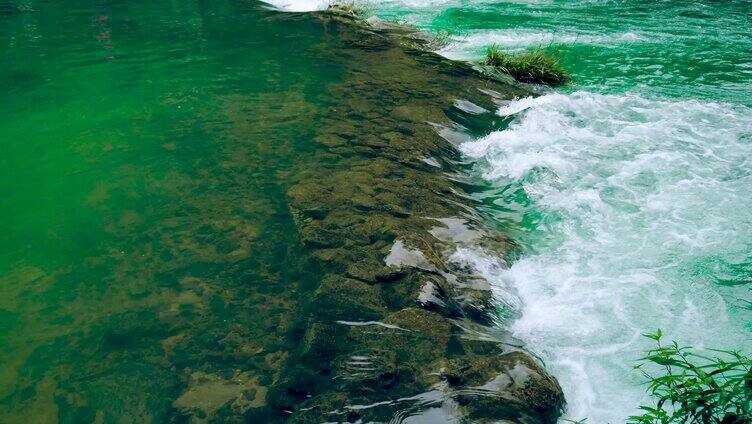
(441,39)
(696,389)
(538,66)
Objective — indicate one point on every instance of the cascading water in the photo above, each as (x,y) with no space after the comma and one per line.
(644,224)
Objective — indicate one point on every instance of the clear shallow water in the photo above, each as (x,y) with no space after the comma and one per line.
(628,190)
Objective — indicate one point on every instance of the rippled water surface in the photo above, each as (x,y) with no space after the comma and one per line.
(145,228)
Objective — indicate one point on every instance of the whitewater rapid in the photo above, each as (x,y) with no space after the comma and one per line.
(647,219)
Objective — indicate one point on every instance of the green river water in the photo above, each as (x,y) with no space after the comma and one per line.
(174,188)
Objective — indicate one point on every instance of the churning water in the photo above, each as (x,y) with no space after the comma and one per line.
(644,223)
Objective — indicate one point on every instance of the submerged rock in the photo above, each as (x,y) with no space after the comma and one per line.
(342,298)
(207,394)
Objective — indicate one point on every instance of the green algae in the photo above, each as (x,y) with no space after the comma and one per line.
(286,263)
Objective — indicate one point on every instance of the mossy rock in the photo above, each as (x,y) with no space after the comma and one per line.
(323,341)
(379,332)
(510,386)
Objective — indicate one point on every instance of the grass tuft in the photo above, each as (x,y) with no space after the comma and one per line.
(537,67)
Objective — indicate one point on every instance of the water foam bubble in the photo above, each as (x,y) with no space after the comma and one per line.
(468,46)
(300,5)
(641,201)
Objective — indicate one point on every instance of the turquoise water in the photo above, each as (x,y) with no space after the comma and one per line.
(673,49)
(628,189)
(631,187)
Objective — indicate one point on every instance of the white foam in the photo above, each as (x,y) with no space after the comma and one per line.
(638,197)
(471,45)
(299,5)
(312,5)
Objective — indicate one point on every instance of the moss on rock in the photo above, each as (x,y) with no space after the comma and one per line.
(342,298)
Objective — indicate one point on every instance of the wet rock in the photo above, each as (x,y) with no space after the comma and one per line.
(207,394)
(424,323)
(323,341)
(370,370)
(511,386)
